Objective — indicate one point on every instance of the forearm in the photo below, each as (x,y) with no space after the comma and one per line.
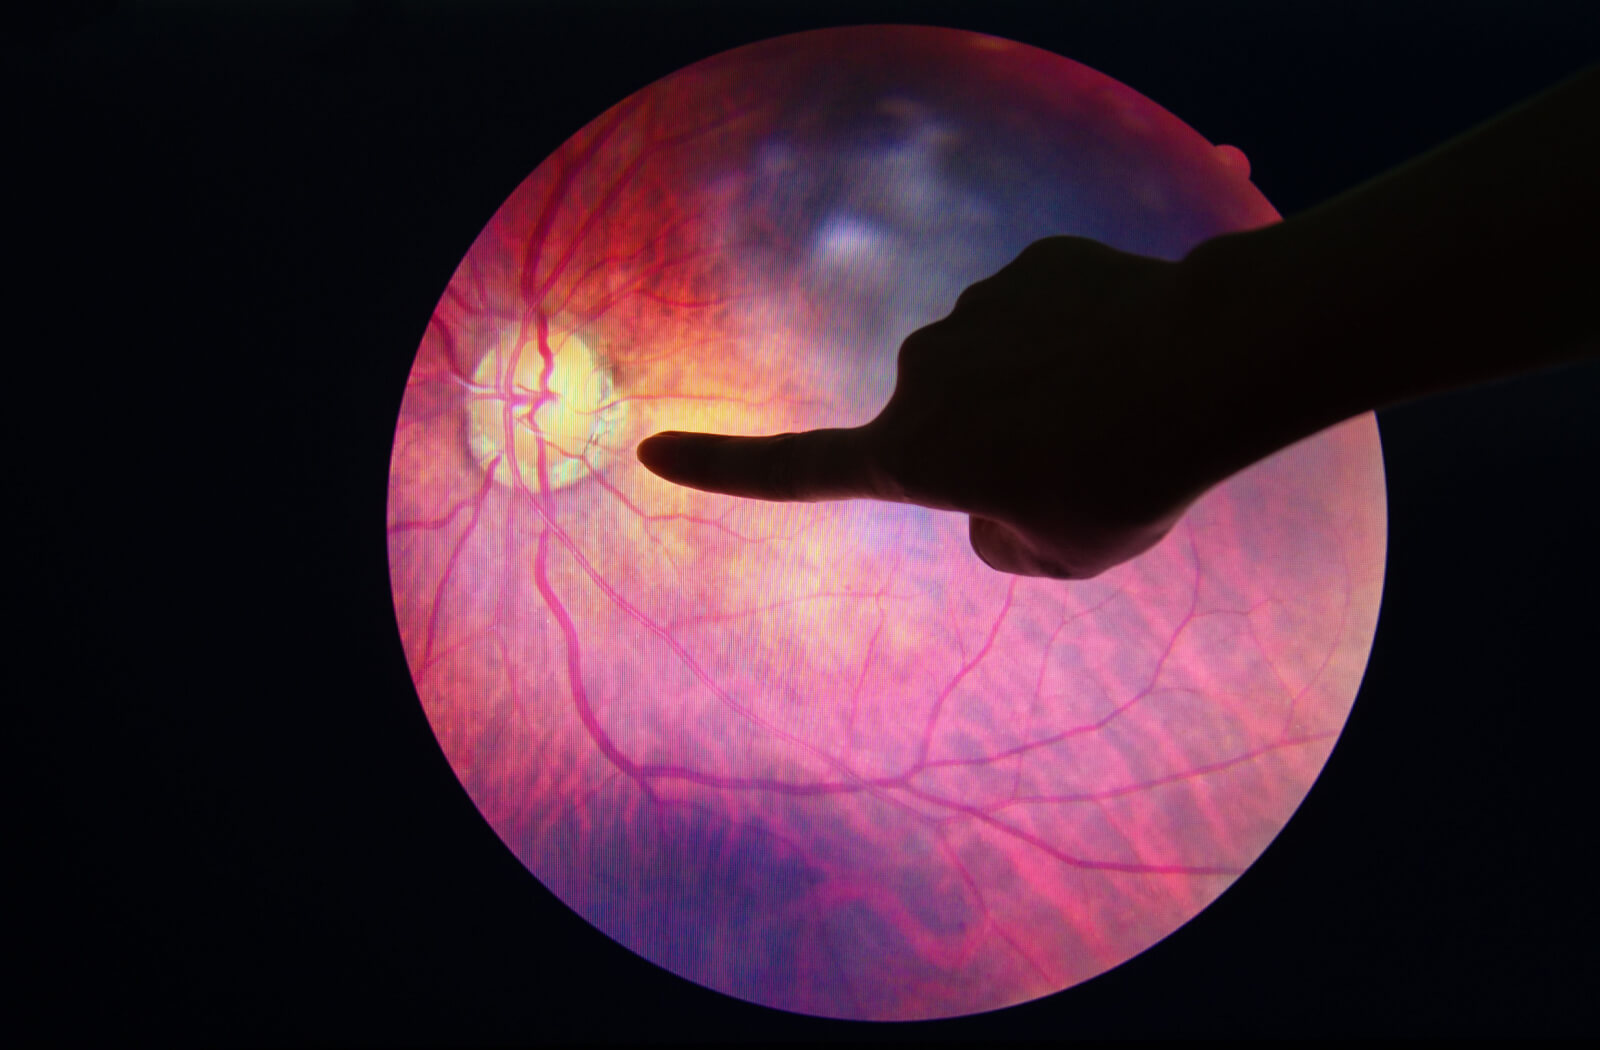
(1475,261)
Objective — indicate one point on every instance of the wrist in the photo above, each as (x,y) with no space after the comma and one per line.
(1231,342)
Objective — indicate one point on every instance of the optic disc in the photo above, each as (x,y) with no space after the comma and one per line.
(544,411)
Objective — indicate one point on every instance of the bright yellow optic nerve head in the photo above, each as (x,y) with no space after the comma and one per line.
(572,414)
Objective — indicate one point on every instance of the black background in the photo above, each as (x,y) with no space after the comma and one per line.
(232,822)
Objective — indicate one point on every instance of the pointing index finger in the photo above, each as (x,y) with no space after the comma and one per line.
(805,467)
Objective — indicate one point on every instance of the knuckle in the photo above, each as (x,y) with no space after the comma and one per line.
(974,295)
(921,350)
(782,471)
(887,473)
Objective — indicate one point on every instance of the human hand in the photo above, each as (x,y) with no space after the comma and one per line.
(1049,406)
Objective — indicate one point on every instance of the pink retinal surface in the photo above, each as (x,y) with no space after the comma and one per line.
(818,756)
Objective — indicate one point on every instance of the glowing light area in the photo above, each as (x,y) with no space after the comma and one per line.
(818,756)
(546,407)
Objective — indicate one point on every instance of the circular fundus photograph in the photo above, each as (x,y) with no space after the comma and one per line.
(818,756)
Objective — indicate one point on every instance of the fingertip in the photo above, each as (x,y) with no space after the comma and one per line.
(982,538)
(656,451)
(1000,549)
(789,467)
(684,458)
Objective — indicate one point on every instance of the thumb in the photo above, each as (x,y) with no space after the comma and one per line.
(813,465)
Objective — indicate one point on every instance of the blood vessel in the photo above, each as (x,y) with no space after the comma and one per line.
(818,756)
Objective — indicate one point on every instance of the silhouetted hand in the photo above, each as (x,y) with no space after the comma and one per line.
(1078,401)
(1048,406)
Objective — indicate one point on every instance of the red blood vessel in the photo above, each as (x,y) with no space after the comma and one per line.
(818,756)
